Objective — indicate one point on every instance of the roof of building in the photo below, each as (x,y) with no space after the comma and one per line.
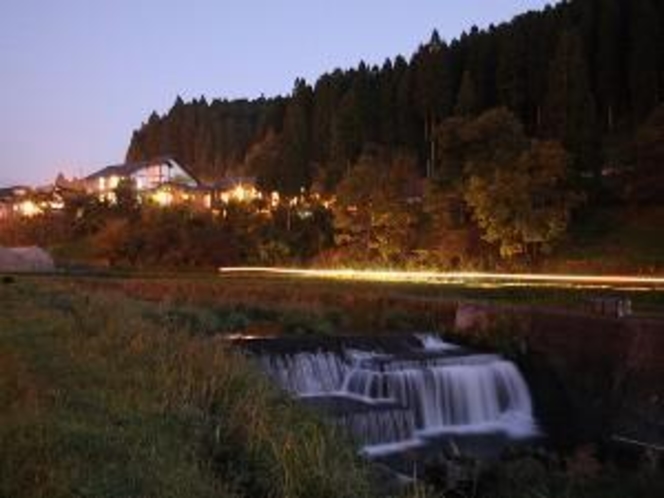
(128,169)
(12,192)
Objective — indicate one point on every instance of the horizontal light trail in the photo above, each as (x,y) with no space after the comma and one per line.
(466,278)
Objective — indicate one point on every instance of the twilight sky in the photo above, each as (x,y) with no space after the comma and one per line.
(78,76)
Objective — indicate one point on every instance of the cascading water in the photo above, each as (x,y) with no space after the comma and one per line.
(392,401)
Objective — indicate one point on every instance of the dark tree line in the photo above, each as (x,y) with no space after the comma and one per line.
(586,73)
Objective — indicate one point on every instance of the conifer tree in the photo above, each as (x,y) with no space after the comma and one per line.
(467,104)
(608,60)
(569,109)
(296,172)
(645,33)
(511,77)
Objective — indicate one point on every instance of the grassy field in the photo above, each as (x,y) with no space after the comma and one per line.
(126,387)
(359,304)
(101,397)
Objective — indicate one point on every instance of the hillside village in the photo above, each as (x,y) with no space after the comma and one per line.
(160,181)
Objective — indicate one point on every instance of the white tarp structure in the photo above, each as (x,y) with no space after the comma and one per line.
(25,259)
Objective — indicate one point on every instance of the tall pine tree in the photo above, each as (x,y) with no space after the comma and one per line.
(645,33)
(569,109)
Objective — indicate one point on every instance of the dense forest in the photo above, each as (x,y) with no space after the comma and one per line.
(587,73)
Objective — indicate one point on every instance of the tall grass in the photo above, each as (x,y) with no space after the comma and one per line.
(99,399)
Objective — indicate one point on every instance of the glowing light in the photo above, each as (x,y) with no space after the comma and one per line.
(466,278)
(163,198)
(240,193)
(113,182)
(28,209)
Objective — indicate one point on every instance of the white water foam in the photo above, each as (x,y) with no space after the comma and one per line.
(431,342)
(412,399)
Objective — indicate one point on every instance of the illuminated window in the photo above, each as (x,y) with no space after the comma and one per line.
(28,209)
(163,198)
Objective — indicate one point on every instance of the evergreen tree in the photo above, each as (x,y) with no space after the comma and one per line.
(645,33)
(512,71)
(609,71)
(432,90)
(346,133)
(296,169)
(467,103)
(569,112)
(388,93)
(408,128)
(327,93)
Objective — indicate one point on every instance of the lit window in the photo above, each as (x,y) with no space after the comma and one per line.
(29,209)
(163,198)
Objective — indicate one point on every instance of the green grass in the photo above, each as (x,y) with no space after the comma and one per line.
(99,400)
(372,301)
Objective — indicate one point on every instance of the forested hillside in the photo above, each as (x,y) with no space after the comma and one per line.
(586,73)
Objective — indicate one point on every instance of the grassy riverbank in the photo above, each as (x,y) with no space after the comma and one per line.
(100,396)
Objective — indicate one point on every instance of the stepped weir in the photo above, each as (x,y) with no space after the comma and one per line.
(407,393)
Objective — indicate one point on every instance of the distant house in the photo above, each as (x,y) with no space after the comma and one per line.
(175,194)
(26,201)
(147,176)
(234,189)
(6,202)
(162,181)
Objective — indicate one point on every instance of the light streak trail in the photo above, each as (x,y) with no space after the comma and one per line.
(629,282)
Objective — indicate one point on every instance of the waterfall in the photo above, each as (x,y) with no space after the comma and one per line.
(388,402)
(306,373)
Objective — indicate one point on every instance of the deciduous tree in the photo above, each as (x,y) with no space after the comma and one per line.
(525,206)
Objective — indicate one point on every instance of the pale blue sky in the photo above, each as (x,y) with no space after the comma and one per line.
(78,76)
